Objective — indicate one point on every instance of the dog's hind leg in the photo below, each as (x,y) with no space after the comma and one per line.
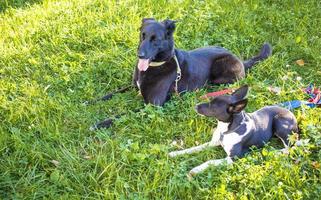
(190,150)
(283,125)
(204,166)
(227,69)
(223,80)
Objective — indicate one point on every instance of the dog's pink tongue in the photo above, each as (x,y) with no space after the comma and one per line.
(143,64)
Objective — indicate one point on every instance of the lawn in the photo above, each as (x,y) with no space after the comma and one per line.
(56,54)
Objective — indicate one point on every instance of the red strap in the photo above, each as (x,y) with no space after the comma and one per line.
(217,93)
(316,91)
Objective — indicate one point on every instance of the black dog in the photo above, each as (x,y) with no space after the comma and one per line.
(163,70)
(237,130)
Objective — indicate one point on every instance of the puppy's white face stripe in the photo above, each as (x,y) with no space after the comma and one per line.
(222,127)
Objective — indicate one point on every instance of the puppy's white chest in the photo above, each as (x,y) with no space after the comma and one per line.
(229,140)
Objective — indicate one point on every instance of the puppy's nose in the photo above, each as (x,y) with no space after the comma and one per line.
(141,55)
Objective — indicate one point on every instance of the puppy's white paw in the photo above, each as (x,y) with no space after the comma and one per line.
(93,128)
(195,171)
(190,175)
(173,154)
(85,103)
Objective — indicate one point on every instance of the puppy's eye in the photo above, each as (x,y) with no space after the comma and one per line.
(143,36)
(153,37)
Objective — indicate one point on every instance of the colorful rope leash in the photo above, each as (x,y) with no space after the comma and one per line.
(313,101)
(217,93)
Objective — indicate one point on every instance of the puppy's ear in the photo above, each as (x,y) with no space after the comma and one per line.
(237,107)
(240,93)
(170,26)
(145,20)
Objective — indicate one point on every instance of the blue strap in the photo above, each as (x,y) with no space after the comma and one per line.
(290,105)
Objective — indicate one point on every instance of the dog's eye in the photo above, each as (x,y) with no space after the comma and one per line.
(143,36)
(153,37)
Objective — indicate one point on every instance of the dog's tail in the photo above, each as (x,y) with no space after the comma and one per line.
(109,96)
(265,52)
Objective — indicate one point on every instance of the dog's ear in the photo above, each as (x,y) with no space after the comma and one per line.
(170,26)
(145,20)
(240,93)
(237,106)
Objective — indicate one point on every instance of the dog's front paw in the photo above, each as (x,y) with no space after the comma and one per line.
(85,103)
(93,128)
(190,175)
(172,154)
(195,171)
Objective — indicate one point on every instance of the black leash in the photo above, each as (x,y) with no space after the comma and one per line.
(108,96)
(109,121)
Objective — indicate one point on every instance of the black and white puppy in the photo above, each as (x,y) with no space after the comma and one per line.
(237,130)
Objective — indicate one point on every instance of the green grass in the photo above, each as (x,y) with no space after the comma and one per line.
(5,4)
(56,54)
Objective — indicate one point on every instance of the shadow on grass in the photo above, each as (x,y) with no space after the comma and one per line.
(5,4)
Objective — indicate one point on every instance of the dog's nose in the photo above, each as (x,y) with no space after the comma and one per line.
(141,55)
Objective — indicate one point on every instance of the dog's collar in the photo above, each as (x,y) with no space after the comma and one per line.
(245,119)
(178,73)
(156,64)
